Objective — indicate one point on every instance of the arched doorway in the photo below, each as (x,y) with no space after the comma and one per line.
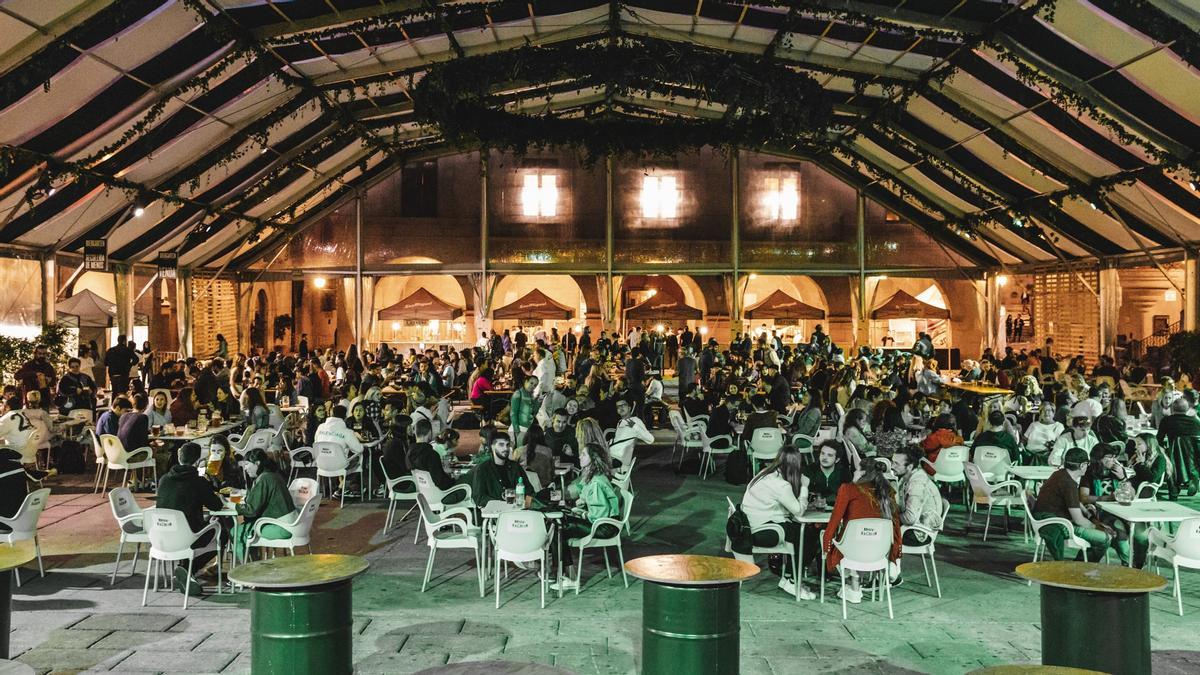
(902,332)
(258,326)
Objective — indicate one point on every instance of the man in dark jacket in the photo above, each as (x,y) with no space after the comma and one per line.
(183,489)
(1179,434)
(119,359)
(206,382)
(422,457)
(37,374)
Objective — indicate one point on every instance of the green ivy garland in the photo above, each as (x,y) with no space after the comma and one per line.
(776,105)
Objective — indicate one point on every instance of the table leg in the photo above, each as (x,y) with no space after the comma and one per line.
(560,578)
(800,552)
(6,581)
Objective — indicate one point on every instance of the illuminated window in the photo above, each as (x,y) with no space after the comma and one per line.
(783,198)
(660,197)
(539,195)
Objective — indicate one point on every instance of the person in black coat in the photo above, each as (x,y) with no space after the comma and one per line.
(14,484)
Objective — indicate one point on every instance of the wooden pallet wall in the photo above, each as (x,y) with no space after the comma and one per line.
(214,313)
(1066,310)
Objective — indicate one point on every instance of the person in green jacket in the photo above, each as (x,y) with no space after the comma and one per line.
(268,498)
(522,408)
(596,498)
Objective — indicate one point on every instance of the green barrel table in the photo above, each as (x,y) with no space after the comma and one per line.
(11,557)
(1094,616)
(300,613)
(691,612)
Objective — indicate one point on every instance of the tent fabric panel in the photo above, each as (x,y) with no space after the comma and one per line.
(904,306)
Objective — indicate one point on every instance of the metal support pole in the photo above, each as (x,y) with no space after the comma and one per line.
(610,305)
(1191,272)
(123,285)
(863,334)
(183,310)
(49,288)
(735,318)
(358,270)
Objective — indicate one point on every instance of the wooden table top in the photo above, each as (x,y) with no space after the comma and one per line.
(1081,576)
(691,570)
(981,389)
(299,571)
(16,555)
(1032,669)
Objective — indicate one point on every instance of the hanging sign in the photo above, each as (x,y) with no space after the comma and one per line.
(168,261)
(95,255)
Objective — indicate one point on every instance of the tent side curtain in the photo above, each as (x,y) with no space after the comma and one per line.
(781,306)
(664,307)
(904,306)
(537,306)
(91,310)
(421,305)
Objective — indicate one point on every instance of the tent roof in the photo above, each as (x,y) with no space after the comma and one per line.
(261,116)
(780,305)
(665,307)
(91,309)
(904,306)
(421,305)
(534,305)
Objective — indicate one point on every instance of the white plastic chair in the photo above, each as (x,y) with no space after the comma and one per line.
(928,548)
(171,540)
(302,401)
(993,461)
(522,536)
(865,545)
(274,416)
(623,476)
(101,459)
(436,496)
(1006,494)
(396,495)
(782,547)
(688,435)
(1182,550)
(128,515)
(446,529)
(333,461)
(764,446)
(949,465)
(24,526)
(298,524)
(805,445)
(593,540)
(1036,525)
(1148,492)
(707,464)
(118,458)
(303,488)
(301,458)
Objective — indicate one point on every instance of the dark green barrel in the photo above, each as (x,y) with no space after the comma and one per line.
(690,629)
(6,582)
(307,630)
(1108,632)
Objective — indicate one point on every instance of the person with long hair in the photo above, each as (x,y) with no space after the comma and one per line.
(268,498)
(587,430)
(808,420)
(595,498)
(854,435)
(255,407)
(184,407)
(1150,464)
(870,496)
(779,495)
(159,411)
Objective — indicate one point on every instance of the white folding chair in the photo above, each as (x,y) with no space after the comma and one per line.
(119,459)
(451,528)
(128,515)
(298,525)
(782,547)
(727,446)
(396,494)
(24,527)
(303,488)
(928,548)
(1182,550)
(864,545)
(333,461)
(593,540)
(764,446)
(522,536)
(993,461)
(101,459)
(622,477)
(171,540)
(1036,525)
(1006,494)
(436,496)
(688,435)
(303,457)
(949,466)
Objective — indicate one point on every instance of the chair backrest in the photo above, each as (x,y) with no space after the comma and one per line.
(992,459)
(308,513)
(260,439)
(803,442)
(304,488)
(122,503)
(866,540)
(426,486)
(958,453)
(330,456)
(979,485)
(114,450)
(302,401)
(521,532)
(81,415)
(1187,539)
(627,504)
(950,460)
(168,530)
(1147,492)
(677,422)
(766,442)
(97,449)
(26,519)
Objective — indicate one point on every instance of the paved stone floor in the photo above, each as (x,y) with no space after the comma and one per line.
(72,620)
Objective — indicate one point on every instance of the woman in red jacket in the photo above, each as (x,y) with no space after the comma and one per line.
(871,496)
(943,436)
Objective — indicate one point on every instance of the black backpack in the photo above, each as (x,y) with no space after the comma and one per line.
(737,528)
(737,467)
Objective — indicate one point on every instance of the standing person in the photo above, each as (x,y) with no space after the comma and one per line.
(871,496)
(523,406)
(635,374)
(119,359)
(595,498)
(685,368)
(671,348)
(779,495)
(37,374)
(303,351)
(222,351)
(1179,433)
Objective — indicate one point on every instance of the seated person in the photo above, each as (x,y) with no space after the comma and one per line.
(1099,484)
(996,435)
(491,477)
(941,437)
(596,498)
(1150,465)
(334,430)
(1059,498)
(268,498)
(422,457)
(561,438)
(14,484)
(762,417)
(109,421)
(630,430)
(1179,434)
(693,402)
(827,475)
(779,495)
(871,496)
(536,457)
(1078,436)
(134,427)
(183,489)
(919,498)
(1042,433)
